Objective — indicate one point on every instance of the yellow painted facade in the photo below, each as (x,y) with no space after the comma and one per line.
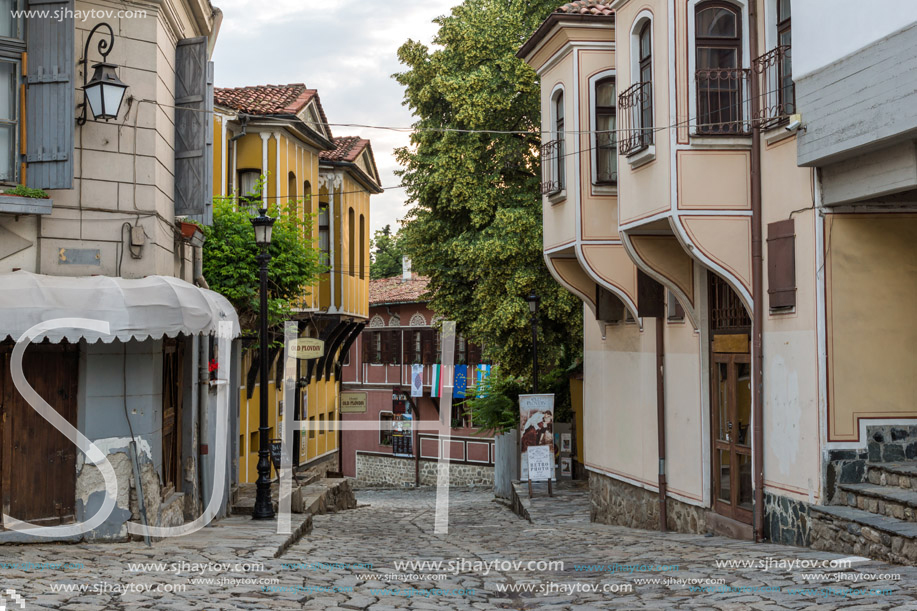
(288,153)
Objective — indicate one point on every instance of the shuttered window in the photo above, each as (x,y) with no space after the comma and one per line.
(193,130)
(608,309)
(781,265)
(50,104)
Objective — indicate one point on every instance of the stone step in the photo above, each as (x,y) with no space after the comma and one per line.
(899,503)
(841,529)
(899,474)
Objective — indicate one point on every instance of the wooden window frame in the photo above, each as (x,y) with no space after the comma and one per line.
(713,128)
(612,145)
(382,429)
(645,67)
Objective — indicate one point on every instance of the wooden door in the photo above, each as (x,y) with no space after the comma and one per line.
(37,463)
(172,393)
(731,403)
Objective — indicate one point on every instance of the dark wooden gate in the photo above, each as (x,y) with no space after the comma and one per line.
(172,392)
(37,463)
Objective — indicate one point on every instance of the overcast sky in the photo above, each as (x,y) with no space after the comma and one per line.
(346,50)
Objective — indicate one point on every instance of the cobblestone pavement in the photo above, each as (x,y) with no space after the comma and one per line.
(349,562)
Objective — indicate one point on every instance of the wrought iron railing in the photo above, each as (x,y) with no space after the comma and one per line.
(723,105)
(552,167)
(635,106)
(778,97)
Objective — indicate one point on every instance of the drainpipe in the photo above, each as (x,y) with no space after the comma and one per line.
(660,419)
(757,360)
(203,421)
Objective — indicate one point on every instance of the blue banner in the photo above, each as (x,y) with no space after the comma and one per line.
(461,381)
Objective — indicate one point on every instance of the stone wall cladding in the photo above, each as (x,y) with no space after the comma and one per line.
(843,537)
(622,504)
(787,521)
(888,443)
(380,471)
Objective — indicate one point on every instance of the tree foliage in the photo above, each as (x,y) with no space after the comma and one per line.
(387,252)
(475,223)
(230,256)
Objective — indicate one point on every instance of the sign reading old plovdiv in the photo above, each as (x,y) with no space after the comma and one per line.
(305,348)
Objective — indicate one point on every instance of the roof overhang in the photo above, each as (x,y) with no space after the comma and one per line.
(356,172)
(553,20)
(147,308)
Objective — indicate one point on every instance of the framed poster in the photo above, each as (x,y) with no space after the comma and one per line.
(566,442)
(536,415)
(566,466)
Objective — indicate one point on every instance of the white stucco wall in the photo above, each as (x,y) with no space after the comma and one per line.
(825,31)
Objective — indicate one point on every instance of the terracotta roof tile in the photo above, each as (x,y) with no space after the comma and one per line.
(587,7)
(266,99)
(396,290)
(346,148)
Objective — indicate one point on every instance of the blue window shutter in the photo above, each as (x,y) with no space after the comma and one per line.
(50,113)
(193,130)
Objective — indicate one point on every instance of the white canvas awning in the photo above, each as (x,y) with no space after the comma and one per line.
(150,307)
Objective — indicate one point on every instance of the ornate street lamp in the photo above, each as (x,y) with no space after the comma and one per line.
(104,92)
(264,507)
(533,301)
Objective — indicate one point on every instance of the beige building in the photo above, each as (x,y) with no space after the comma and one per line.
(105,241)
(677,208)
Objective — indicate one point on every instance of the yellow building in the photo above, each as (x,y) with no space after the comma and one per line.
(281,132)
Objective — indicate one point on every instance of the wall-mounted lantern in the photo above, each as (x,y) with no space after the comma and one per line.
(104,92)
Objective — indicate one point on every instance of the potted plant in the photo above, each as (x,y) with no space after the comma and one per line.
(23,191)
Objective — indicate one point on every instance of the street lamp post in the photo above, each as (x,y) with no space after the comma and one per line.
(264,507)
(533,301)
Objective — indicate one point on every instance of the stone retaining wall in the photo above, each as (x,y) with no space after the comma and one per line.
(381,471)
(616,502)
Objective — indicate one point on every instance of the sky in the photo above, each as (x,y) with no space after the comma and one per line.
(345,49)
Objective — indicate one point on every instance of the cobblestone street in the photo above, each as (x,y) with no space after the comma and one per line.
(349,562)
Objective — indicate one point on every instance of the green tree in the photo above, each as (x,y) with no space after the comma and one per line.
(230,259)
(475,223)
(387,252)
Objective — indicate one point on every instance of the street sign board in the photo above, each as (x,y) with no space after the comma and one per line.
(353,402)
(307,348)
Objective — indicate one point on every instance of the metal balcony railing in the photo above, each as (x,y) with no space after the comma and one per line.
(723,107)
(635,111)
(778,97)
(552,167)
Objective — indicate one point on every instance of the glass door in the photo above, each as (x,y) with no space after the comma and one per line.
(731,421)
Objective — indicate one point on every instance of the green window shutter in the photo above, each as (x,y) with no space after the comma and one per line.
(50,110)
(193,130)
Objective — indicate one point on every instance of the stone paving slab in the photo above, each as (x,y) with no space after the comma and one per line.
(348,561)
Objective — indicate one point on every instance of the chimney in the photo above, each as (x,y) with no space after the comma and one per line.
(405,268)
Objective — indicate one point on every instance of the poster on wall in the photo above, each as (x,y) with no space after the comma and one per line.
(399,401)
(566,442)
(566,466)
(402,432)
(536,415)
